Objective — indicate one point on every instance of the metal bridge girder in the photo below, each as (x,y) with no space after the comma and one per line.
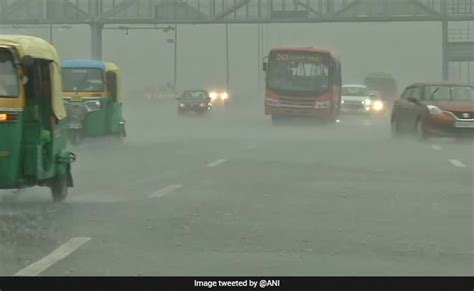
(237,11)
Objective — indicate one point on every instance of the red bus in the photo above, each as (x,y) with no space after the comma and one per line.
(302,81)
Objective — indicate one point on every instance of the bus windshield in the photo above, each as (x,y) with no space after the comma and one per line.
(9,85)
(298,71)
(83,80)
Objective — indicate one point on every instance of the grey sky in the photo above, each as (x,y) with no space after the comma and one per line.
(410,51)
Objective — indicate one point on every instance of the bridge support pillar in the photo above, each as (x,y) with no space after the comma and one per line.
(96,41)
(445,40)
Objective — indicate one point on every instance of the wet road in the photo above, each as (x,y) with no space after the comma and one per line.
(229,194)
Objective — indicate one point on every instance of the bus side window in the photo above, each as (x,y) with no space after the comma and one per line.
(112,85)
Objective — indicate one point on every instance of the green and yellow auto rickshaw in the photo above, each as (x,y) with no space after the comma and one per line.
(93,98)
(33,122)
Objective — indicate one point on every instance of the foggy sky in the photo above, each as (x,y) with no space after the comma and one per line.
(410,51)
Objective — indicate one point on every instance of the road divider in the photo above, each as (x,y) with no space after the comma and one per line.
(165,191)
(55,256)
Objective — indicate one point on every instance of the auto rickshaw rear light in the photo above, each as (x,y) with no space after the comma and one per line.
(3,117)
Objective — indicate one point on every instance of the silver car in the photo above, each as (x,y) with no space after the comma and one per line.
(355,98)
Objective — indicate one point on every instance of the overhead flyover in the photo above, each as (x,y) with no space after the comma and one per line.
(100,13)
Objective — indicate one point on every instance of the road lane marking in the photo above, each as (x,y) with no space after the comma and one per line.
(216,163)
(55,256)
(457,163)
(367,123)
(165,191)
(436,147)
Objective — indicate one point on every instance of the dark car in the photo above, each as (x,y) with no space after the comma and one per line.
(434,109)
(194,100)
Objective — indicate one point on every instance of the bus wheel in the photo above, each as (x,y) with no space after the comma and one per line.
(277,120)
(59,188)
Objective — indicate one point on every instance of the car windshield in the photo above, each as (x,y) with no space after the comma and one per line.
(9,85)
(298,71)
(354,91)
(83,80)
(449,93)
(194,95)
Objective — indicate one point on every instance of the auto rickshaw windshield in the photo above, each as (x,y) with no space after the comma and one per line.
(83,80)
(9,80)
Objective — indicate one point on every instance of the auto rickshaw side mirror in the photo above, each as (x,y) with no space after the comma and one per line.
(27,61)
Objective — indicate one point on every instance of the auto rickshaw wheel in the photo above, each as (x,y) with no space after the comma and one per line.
(75,136)
(59,187)
(122,133)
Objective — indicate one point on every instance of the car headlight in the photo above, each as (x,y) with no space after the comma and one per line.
(434,109)
(92,105)
(322,104)
(213,95)
(181,105)
(377,105)
(202,105)
(342,101)
(224,96)
(367,102)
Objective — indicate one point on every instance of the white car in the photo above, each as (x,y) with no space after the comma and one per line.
(355,98)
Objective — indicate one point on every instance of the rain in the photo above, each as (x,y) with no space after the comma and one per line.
(236,138)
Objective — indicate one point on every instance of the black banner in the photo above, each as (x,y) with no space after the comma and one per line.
(235,283)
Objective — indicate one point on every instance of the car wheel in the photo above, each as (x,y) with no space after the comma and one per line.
(420,130)
(59,188)
(395,128)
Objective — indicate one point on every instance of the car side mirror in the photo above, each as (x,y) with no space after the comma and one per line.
(264,67)
(412,100)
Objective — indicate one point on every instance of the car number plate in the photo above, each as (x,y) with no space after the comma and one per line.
(464,124)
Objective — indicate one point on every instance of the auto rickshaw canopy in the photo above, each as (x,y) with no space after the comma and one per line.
(111,67)
(38,48)
(105,66)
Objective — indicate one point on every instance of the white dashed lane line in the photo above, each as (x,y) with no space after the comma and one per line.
(436,147)
(216,163)
(457,163)
(57,255)
(165,191)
